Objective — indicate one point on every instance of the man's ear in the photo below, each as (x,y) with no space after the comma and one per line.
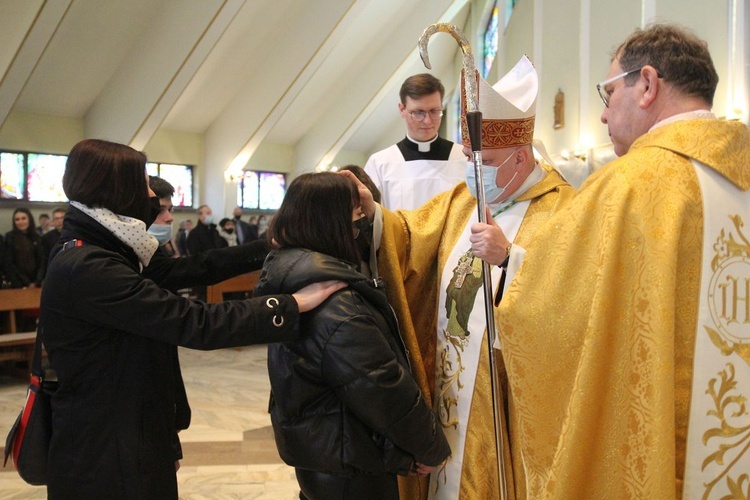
(401,108)
(522,157)
(650,86)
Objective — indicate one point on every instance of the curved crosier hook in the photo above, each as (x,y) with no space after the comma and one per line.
(474,126)
(470,69)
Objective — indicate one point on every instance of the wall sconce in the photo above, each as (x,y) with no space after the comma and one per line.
(233,176)
(236,168)
(327,168)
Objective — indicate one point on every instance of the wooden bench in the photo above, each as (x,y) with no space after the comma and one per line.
(242,283)
(14,345)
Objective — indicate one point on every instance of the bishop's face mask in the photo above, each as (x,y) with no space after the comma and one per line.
(489,177)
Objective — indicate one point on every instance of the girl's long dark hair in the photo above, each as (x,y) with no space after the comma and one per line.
(317,214)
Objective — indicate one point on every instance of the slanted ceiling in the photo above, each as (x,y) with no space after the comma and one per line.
(320,76)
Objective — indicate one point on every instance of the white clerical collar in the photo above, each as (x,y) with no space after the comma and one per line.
(535,176)
(690,115)
(424,147)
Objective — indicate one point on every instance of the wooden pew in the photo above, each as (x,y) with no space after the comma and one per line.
(15,345)
(242,283)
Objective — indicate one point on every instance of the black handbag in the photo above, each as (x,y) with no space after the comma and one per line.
(28,440)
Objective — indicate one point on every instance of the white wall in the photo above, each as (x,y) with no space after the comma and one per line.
(577,38)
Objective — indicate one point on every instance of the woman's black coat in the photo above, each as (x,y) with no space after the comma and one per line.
(109,333)
(343,400)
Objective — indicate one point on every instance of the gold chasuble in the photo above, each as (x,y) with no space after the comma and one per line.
(413,253)
(599,325)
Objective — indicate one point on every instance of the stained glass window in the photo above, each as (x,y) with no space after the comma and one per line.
(261,190)
(490,42)
(457,114)
(38,177)
(509,4)
(272,189)
(44,177)
(181,177)
(248,190)
(12,185)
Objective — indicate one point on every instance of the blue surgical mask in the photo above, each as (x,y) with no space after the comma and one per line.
(208,220)
(489,175)
(162,232)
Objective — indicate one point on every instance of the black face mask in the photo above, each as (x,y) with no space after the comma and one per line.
(154,209)
(363,237)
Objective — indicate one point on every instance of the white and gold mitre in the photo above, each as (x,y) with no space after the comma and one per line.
(508,108)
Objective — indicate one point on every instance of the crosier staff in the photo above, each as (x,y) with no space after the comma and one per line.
(474,124)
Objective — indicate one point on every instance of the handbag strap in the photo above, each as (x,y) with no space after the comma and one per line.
(37,372)
(36,365)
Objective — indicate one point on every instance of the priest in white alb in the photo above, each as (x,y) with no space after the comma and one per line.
(423,164)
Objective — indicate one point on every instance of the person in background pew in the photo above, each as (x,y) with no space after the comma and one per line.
(43,226)
(49,239)
(226,230)
(110,331)
(24,256)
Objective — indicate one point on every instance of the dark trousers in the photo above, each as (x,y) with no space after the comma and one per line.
(320,486)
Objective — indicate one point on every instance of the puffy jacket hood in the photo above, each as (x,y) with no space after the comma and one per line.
(287,270)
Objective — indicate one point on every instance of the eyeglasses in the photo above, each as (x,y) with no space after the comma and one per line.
(421,115)
(604,95)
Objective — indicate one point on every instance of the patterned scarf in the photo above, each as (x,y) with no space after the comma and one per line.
(130,231)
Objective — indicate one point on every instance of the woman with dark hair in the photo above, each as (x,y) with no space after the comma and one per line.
(110,332)
(346,412)
(24,255)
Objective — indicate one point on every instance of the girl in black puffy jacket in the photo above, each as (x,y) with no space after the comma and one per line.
(346,412)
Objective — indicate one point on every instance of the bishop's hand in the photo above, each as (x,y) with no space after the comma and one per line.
(489,242)
(365,196)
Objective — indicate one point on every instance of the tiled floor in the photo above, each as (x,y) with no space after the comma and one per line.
(229,449)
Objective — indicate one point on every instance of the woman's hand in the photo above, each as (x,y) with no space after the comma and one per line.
(421,470)
(311,296)
(365,196)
